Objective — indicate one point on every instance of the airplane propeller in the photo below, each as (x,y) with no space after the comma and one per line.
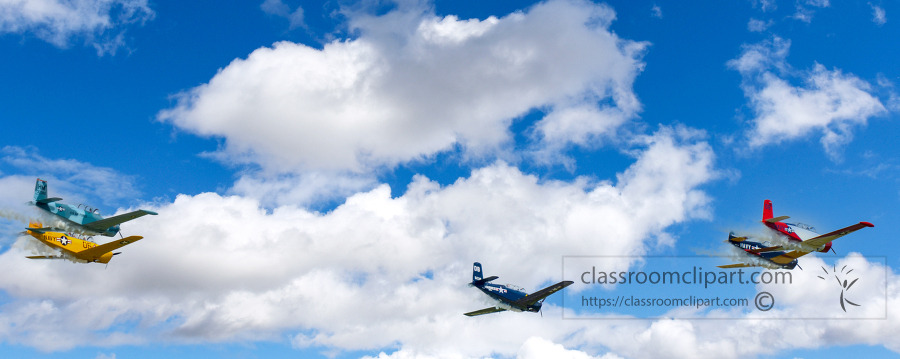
(107,263)
(832,251)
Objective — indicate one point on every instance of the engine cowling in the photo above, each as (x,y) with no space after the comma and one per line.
(825,248)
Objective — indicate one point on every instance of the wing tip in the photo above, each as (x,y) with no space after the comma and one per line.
(867,224)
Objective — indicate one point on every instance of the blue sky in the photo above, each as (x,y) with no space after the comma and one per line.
(358,146)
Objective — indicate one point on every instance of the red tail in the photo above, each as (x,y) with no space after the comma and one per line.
(767,210)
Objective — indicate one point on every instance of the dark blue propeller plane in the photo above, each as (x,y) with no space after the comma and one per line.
(511,297)
(85,218)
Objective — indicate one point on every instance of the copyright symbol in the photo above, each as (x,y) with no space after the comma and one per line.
(764,301)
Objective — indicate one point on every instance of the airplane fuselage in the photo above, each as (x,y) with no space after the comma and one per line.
(795,232)
(507,296)
(71,245)
(750,247)
(76,216)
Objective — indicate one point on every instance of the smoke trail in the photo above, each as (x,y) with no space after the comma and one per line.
(739,255)
(34,246)
(33,214)
(15,215)
(37,248)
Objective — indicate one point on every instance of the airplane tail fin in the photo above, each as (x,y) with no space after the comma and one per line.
(40,190)
(477,274)
(767,210)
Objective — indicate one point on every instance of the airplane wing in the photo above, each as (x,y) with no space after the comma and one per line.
(96,252)
(828,237)
(543,293)
(485,311)
(105,223)
(767,249)
(43,257)
(818,242)
(40,230)
(736,265)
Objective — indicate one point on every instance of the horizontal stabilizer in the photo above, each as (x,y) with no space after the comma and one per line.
(48,200)
(106,223)
(543,293)
(44,257)
(484,311)
(488,279)
(777,219)
(40,230)
(767,249)
(737,265)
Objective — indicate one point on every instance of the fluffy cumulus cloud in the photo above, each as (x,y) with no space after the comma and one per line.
(829,102)
(373,273)
(755,333)
(413,84)
(98,22)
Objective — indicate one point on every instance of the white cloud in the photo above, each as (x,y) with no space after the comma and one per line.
(878,15)
(304,189)
(374,272)
(755,25)
(99,22)
(804,14)
(537,348)
(818,3)
(278,8)
(808,297)
(748,336)
(69,179)
(656,11)
(414,84)
(830,102)
(764,5)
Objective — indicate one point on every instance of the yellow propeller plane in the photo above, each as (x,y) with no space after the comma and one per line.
(75,248)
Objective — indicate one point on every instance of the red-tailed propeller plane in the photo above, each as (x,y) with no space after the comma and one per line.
(801,240)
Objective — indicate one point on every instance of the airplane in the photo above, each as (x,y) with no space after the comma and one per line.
(75,248)
(802,240)
(510,297)
(85,218)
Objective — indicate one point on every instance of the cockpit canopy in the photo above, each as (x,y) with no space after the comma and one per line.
(515,287)
(804,226)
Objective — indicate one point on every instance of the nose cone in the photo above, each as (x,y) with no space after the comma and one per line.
(105,258)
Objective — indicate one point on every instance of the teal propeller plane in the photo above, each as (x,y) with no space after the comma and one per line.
(83,217)
(510,297)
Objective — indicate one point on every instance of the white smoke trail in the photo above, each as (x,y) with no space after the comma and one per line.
(739,255)
(28,215)
(38,248)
